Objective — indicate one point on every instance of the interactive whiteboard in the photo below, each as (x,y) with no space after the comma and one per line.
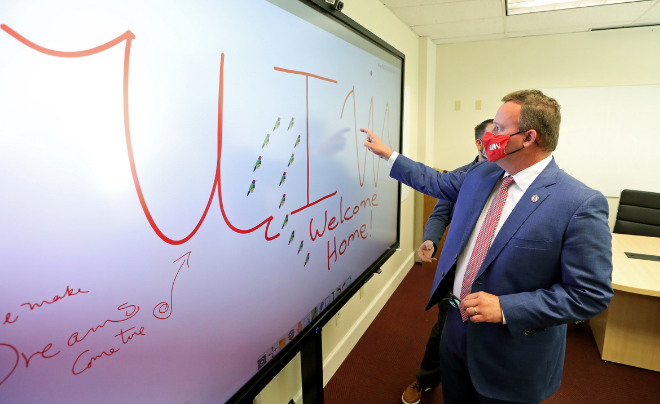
(183,190)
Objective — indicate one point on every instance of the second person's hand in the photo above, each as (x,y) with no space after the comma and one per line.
(426,250)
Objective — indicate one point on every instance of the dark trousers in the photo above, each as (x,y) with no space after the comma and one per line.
(429,372)
(457,387)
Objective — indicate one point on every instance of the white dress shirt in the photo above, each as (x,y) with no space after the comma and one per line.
(523,180)
(390,162)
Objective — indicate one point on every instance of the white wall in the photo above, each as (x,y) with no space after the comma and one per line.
(357,314)
(488,70)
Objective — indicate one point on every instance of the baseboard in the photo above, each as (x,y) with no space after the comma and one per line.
(352,336)
(298,397)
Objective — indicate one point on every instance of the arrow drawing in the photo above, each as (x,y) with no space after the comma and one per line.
(164,307)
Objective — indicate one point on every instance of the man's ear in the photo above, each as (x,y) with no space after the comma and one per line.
(531,136)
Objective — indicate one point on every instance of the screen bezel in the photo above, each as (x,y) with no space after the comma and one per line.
(260,380)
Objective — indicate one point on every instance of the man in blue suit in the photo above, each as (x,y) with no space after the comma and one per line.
(529,251)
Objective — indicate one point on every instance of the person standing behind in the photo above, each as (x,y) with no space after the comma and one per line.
(429,375)
(529,251)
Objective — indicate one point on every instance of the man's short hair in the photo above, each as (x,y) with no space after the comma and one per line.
(539,112)
(480,129)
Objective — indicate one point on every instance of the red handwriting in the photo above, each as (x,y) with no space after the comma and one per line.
(15,362)
(128,37)
(362,233)
(91,361)
(316,231)
(27,359)
(307,76)
(67,292)
(133,312)
(130,337)
(8,319)
(370,124)
(164,307)
(343,216)
(42,353)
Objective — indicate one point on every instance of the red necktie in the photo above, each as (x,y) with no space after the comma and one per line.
(484,239)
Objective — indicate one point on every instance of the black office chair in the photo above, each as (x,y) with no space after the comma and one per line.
(638,214)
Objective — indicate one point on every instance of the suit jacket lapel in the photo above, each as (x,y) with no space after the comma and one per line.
(478,202)
(523,209)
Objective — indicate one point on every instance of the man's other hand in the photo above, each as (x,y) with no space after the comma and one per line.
(488,308)
(426,250)
(373,143)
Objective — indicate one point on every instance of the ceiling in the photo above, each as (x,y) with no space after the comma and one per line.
(450,21)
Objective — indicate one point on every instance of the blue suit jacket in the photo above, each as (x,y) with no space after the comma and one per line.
(441,216)
(550,264)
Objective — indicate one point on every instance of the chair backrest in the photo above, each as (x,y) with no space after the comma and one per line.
(638,214)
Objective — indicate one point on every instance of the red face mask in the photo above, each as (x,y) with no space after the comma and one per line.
(495,144)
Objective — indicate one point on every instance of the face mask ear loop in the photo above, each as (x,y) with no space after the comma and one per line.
(482,151)
(516,151)
(536,141)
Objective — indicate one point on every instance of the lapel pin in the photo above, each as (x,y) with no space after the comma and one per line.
(535,198)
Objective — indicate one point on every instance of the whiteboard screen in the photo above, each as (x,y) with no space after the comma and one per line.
(183,190)
(610,136)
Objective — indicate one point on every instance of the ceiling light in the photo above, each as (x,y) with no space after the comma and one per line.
(515,7)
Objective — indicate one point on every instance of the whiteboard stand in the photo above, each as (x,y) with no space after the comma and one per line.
(311,367)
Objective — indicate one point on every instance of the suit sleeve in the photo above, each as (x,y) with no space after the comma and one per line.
(441,217)
(438,222)
(427,180)
(585,286)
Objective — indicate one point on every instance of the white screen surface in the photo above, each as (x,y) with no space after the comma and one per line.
(110,294)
